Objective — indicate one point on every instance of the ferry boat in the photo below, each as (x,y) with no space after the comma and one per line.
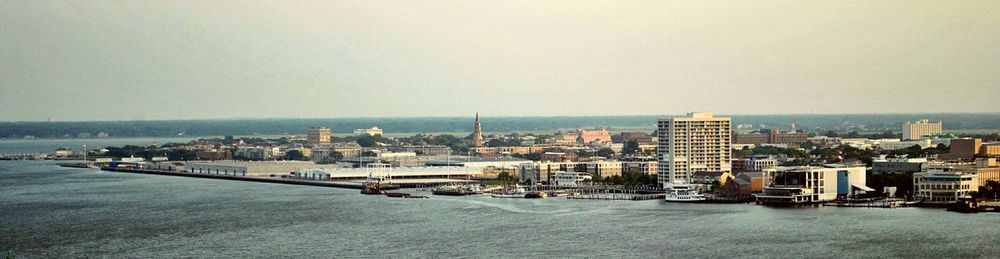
(683,193)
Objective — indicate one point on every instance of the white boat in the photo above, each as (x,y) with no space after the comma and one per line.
(683,193)
(516,192)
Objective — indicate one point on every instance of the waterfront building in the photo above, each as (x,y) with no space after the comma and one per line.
(571,179)
(249,168)
(883,165)
(698,142)
(943,186)
(477,133)
(370,131)
(920,129)
(809,184)
(318,136)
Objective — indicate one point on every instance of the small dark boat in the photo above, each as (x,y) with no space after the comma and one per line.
(535,195)
(397,194)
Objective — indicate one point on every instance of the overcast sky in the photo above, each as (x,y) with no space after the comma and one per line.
(144,60)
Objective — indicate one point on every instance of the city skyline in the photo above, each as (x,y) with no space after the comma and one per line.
(69,61)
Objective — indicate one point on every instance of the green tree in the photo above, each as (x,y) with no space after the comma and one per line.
(371,141)
(631,147)
(605,152)
(294,155)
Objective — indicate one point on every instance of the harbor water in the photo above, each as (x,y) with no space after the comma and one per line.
(48,211)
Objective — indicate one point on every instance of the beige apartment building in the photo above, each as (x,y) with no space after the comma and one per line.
(696,143)
(921,128)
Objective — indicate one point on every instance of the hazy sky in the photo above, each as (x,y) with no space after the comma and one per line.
(128,60)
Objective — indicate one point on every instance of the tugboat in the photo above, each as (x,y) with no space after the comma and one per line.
(683,193)
(372,186)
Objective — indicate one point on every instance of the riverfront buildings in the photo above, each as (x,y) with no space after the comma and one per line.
(698,142)
(942,186)
(809,184)
(318,136)
(920,129)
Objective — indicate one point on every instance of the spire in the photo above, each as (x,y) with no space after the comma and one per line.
(477,134)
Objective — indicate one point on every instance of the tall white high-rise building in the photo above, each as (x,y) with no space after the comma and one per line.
(696,143)
(921,128)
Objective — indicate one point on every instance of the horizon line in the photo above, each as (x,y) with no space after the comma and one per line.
(504,116)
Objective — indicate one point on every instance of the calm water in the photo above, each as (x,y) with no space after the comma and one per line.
(49,211)
(49,145)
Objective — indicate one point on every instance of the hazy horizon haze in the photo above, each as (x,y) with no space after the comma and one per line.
(181,60)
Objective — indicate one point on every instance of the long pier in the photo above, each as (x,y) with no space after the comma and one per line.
(238,178)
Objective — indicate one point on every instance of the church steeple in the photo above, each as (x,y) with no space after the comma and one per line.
(477,134)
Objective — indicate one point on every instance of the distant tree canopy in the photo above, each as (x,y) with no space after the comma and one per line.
(149,152)
(247,127)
